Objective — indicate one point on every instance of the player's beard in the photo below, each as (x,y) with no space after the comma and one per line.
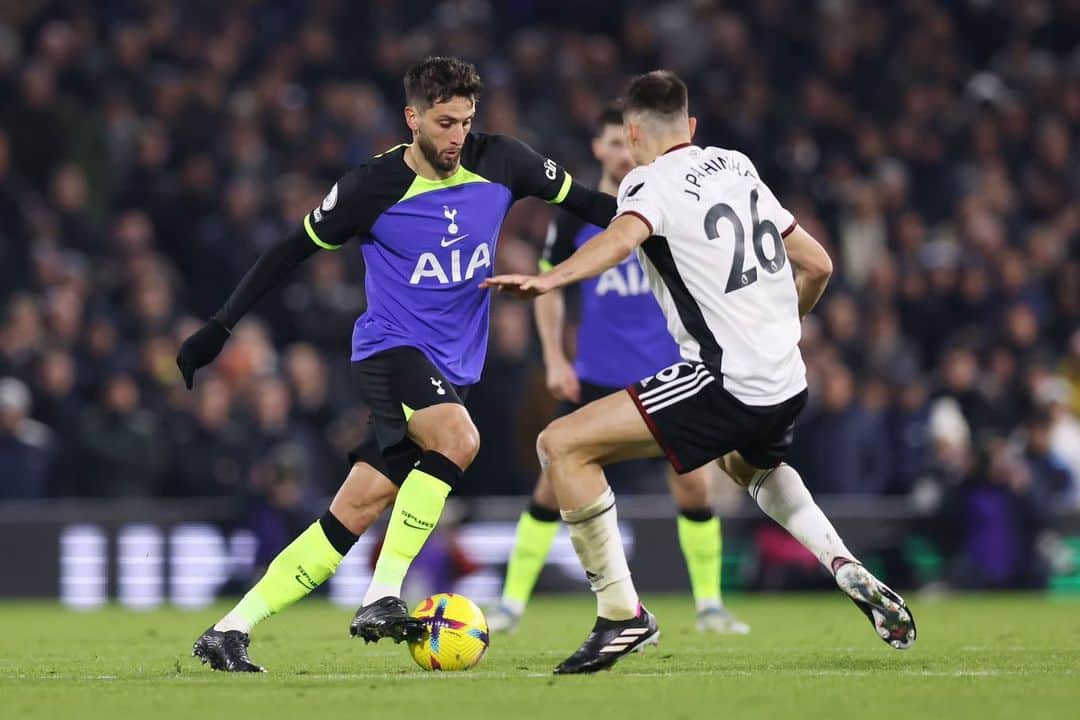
(431,154)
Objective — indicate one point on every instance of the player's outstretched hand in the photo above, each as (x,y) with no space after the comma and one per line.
(200,349)
(522,286)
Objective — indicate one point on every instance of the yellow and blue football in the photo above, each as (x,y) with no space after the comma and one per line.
(457,633)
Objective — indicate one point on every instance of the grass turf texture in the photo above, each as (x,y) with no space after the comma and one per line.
(807,657)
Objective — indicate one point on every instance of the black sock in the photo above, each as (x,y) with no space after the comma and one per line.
(699,515)
(440,466)
(543,514)
(340,537)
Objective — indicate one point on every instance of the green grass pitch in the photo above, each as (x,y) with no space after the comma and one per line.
(807,657)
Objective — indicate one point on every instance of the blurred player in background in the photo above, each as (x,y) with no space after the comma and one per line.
(428,215)
(691,214)
(622,337)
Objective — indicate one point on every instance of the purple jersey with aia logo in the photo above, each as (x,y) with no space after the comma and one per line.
(622,336)
(427,245)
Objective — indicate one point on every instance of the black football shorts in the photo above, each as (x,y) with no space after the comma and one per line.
(395,383)
(695,420)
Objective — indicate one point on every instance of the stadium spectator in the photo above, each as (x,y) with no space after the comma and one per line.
(27,449)
(58,405)
(275,424)
(149,152)
(209,450)
(841,444)
(314,406)
(322,307)
(276,511)
(1051,478)
(14,248)
(992,522)
(123,450)
(907,425)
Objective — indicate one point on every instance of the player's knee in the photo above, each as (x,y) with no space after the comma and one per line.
(547,446)
(555,441)
(448,431)
(460,442)
(542,450)
(468,444)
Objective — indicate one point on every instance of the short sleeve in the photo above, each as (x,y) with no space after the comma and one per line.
(532,174)
(768,206)
(559,243)
(349,209)
(640,196)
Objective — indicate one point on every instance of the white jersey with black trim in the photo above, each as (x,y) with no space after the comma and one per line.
(717,265)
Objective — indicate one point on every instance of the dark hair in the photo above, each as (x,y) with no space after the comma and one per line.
(438,79)
(660,91)
(610,115)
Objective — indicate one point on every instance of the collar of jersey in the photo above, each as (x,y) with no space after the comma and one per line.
(680,146)
(421,185)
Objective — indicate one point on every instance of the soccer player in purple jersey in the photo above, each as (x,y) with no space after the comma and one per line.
(622,337)
(427,215)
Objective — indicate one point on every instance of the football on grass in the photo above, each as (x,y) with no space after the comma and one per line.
(457,633)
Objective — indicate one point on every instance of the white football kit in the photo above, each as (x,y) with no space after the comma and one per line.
(717,265)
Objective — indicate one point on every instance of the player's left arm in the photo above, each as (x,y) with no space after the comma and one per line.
(533,175)
(327,226)
(811,262)
(813,267)
(605,250)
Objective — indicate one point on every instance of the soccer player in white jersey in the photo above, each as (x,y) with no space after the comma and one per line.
(733,273)
(621,336)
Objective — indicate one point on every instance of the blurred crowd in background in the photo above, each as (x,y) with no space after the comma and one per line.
(149,151)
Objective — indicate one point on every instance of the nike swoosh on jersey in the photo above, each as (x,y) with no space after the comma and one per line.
(459,238)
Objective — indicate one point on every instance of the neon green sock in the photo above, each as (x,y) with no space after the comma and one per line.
(532,543)
(416,511)
(701,545)
(297,570)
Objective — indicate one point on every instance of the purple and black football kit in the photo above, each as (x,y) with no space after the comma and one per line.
(427,245)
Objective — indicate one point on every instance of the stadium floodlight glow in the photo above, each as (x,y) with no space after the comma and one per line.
(198,564)
(140,581)
(84,578)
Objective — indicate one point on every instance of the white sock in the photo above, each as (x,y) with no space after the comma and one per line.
(514,606)
(233,621)
(783,496)
(377,591)
(594,533)
(708,604)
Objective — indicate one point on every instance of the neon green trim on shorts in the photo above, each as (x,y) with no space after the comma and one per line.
(408,411)
(545,266)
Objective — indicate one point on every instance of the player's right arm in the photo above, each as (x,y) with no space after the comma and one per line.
(813,268)
(342,214)
(562,379)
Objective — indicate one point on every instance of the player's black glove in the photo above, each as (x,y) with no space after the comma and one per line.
(200,349)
